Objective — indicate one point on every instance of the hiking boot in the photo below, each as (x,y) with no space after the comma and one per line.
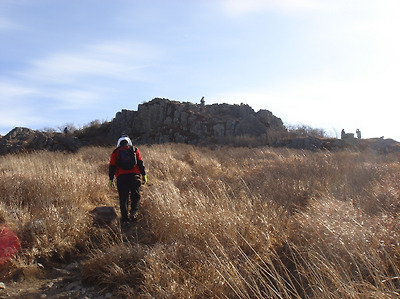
(133,215)
(125,221)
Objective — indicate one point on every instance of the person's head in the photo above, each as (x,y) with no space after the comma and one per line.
(124,140)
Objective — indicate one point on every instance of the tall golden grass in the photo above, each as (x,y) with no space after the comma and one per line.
(221,223)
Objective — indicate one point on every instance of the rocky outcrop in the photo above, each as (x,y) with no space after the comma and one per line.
(162,120)
(24,139)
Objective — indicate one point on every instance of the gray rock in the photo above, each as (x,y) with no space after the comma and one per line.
(73,286)
(74,266)
(24,139)
(104,216)
(162,120)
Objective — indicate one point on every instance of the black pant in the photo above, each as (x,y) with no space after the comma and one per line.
(128,187)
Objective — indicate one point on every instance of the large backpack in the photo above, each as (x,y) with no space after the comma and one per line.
(127,158)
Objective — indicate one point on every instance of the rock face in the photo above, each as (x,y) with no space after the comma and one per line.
(162,120)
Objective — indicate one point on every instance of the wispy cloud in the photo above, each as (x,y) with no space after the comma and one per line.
(116,60)
(15,108)
(240,7)
(16,117)
(30,107)
(71,99)
(339,9)
(10,90)
(6,24)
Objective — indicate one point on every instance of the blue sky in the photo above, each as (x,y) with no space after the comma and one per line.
(326,64)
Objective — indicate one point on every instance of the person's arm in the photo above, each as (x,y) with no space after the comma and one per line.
(112,166)
(140,162)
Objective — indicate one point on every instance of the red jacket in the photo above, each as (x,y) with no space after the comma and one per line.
(114,170)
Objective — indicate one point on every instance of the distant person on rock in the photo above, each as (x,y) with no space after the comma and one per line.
(358,134)
(342,134)
(126,165)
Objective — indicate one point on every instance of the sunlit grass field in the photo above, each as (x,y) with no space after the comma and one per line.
(214,223)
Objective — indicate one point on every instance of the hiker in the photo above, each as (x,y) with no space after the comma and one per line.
(358,134)
(126,165)
(343,134)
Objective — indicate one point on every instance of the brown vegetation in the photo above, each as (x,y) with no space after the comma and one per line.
(221,223)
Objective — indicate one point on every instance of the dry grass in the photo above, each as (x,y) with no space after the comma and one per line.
(45,196)
(222,223)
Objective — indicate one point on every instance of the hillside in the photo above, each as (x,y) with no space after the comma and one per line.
(213,223)
(163,121)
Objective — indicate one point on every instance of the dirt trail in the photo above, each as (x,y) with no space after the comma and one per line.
(62,280)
